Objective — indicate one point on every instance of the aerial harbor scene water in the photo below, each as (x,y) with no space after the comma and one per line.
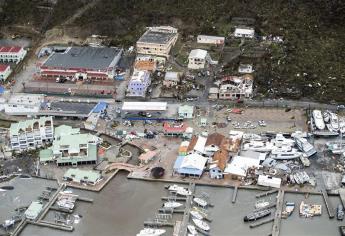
(179,118)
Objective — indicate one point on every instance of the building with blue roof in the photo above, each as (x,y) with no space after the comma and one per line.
(190,165)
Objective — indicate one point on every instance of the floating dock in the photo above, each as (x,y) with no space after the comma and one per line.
(158,224)
(174,198)
(264,194)
(186,216)
(234,195)
(328,204)
(53,225)
(278,214)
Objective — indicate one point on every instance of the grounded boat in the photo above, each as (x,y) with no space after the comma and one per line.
(280,140)
(340,212)
(192,230)
(256,215)
(261,204)
(336,147)
(285,154)
(196,215)
(151,232)
(289,208)
(201,224)
(258,146)
(309,210)
(304,146)
(318,120)
(200,202)
(172,204)
(334,122)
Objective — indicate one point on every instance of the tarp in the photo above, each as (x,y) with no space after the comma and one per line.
(101,106)
(2,90)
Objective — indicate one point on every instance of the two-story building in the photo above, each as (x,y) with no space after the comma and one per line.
(198,59)
(139,83)
(236,87)
(11,54)
(157,41)
(30,134)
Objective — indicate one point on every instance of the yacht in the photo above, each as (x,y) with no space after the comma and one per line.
(334,122)
(151,232)
(258,146)
(318,119)
(285,153)
(201,224)
(280,140)
(192,230)
(304,146)
(200,201)
(172,204)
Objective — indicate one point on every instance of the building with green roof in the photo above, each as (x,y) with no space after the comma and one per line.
(30,134)
(82,176)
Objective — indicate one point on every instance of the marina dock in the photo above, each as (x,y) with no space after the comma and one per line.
(278,214)
(328,204)
(175,198)
(262,222)
(61,209)
(186,216)
(158,224)
(234,194)
(53,225)
(342,196)
(264,194)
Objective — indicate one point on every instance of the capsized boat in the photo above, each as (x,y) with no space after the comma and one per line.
(192,230)
(318,120)
(201,224)
(200,201)
(256,215)
(151,232)
(289,208)
(172,204)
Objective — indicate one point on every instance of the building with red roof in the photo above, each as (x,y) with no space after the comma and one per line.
(11,54)
(5,71)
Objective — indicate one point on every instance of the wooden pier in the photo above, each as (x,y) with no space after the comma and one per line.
(342,196)
(177,228)
(264,194)
(174,198)
(278,214)
(158,224)
(186,216)
(234,194)
(328,204)
(262,222)
(53,225)
(85,199)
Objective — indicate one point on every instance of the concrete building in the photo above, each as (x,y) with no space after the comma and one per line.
(82,176)
(198,59)
(236,88)
(171,79)
(237,169)
(31,134)
(244,32)
(70,147)
(82,64)
(21,104)
(208,39)
(139,83)
(5,71)
(186,112)
(157,41)
(11,54)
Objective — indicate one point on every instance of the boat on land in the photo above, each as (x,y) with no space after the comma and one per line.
(201,224)
(285,154)
(336,147)
(305,147)
(318,120)
(334,122)
(258,146)
(340,212)
(192,230)
(151,232)
(280,140)
(200,201)
(289,208)
(256,215)
(172,204)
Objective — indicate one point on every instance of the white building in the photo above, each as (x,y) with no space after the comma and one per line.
(30,134)
(245,69)
(268,181)
(186,112)
(239,165)
(5,71)
(139,83)
(157,41)
(21,104)
(171,79)
(244,32)
(208,39)
(198,59)
(12,54)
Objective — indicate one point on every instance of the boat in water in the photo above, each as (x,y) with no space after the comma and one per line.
(196,215)
(174,187)
(305,147)
(172,204)
(340,212)
(200,201)
(151,232)
(289,208)
(183,192)
(201,224)
(25,176)
(256,215)
(318,120)
(192,230)
(309,210)
(261,204)
(7,187)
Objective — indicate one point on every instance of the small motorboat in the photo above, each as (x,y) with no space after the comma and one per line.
(261,204)
(289,208)
(196,215)
(183,192)
(192,230)
(200,201)
(174,187)
(5,188)
(340,212)
(172,204)
(256,215)
(200,211)
(201,224)
(151,232)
